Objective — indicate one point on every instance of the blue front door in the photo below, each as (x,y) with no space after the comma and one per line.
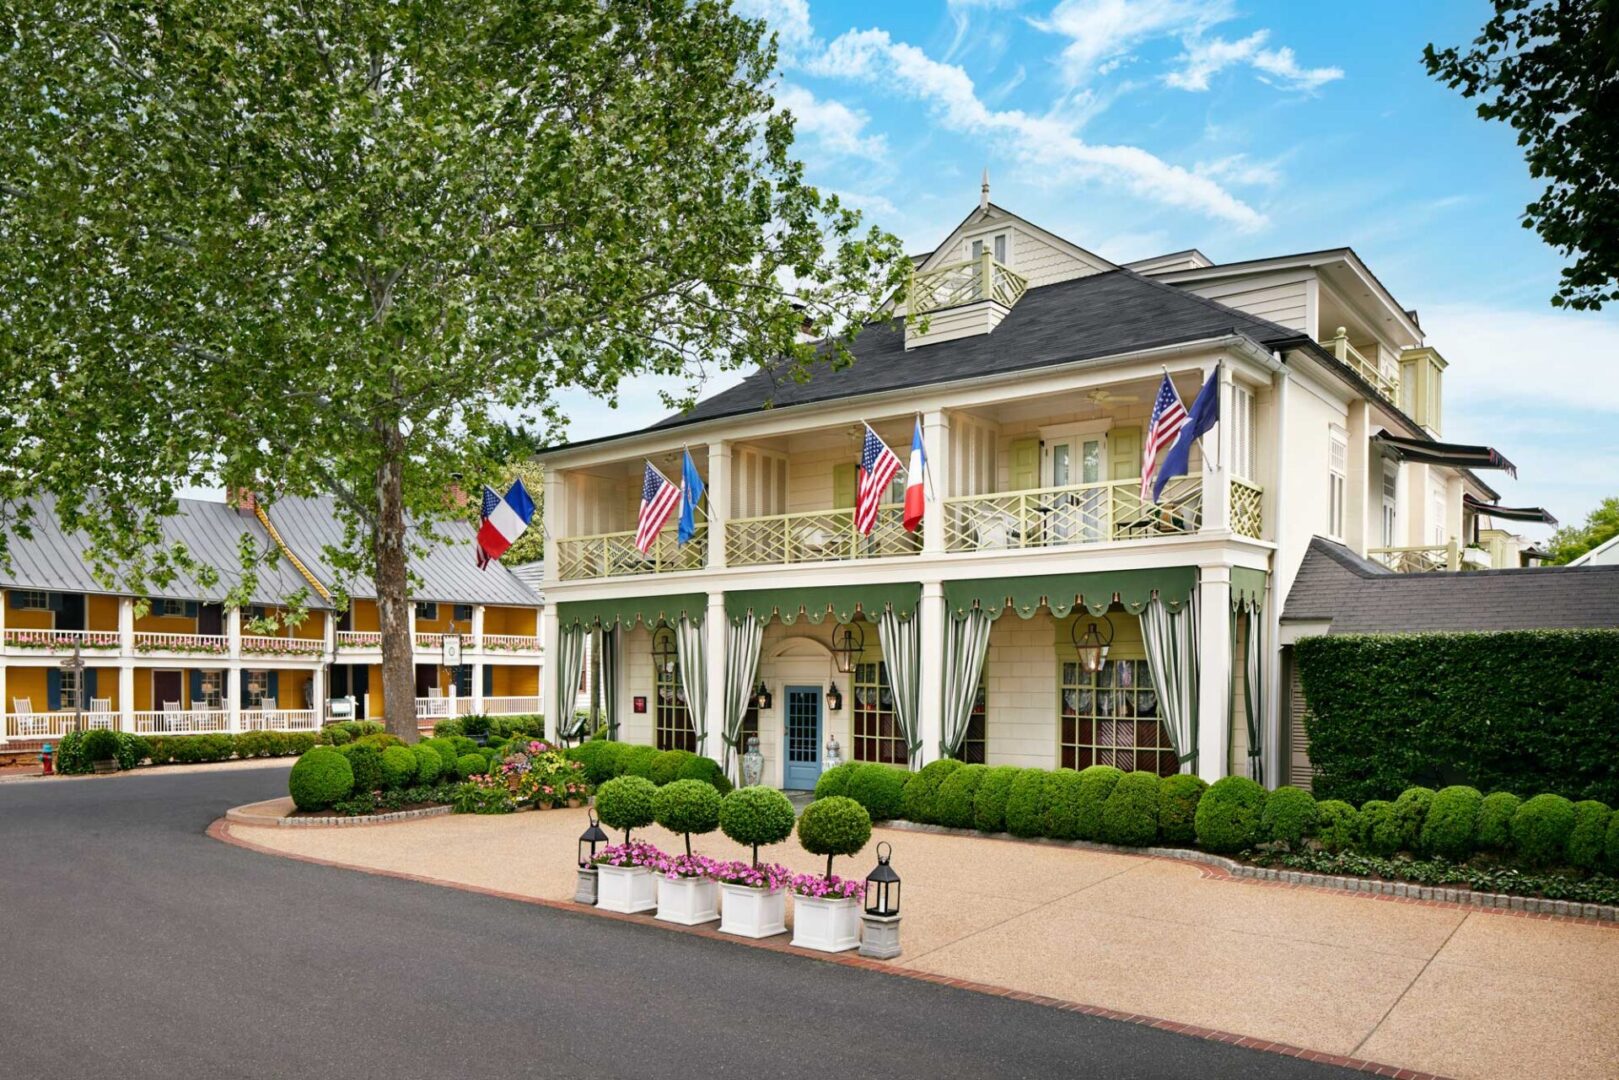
(802,738)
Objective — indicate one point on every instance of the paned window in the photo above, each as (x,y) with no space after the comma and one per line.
(1111,718)
(975,746)
(463,680)
(877,735)
(670,716)
(212,685)
(1391,491)
(258,687)
(72,683)
(164,608)
(31,600)
(1440,506)
(1243,458)
(461,613)
(1337,480)
(426,609)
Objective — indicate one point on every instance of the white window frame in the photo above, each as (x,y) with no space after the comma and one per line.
(31,599)
(212,684)
(998,244)
(1244,464)
(1439,508)
(427,609)
(1337,480)
(1391,503)
(256,685)
(70,686)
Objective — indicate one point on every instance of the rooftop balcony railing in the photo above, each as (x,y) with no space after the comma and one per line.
(613,554)
(1075,514)
(965,282)
(1428,558)
(817,536)
(255,645)
(1338,345)
(209,644)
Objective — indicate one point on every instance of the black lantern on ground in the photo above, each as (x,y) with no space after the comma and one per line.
(882,884)
(1092,644)
(664,653)
(589,840)
(834,700)
(761,697)
(848,642)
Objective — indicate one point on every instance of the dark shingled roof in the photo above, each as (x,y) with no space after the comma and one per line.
(1361,597)
(1106,314)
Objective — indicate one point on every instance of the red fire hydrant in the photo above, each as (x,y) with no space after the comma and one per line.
(45,760)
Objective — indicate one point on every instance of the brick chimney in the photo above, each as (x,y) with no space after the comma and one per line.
(247,503)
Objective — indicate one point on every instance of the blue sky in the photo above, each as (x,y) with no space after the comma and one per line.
(1136,127)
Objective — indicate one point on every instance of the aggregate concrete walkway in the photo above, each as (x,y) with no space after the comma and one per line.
(1427,987)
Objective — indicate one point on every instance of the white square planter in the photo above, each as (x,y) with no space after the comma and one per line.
(626,889)
(688,901)
(753,913)
(826,925)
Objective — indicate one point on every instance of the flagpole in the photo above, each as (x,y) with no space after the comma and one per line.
(927,461)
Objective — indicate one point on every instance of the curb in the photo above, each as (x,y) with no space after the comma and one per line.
(221,830)
(238,815)
(1218,866)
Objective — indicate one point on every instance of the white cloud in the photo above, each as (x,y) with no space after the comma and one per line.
(790,19)
(1280,63)
(838,128)
(1102,32)
(1238,169)
(1206,57)
(1553,358)
(1050,141)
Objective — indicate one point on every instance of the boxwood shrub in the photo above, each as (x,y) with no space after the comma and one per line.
(638,761)
(366,761)
(318,779)
(835,825)
(1130,815)
(879,788)
(445,749)
(101,745)
(954,805)
(1410,811)
(1178,797)
(922,790)
(1061,800)
(1495,821)
(627,803)
(468,765)
(1451,827)
(1229,815)
(1290,816)
(1588,837)
(989,801)
(1541,828)
(398,767)
(666,765)
(835,781)
(708,771)
(602,759)
(755,816)
(428,763)
(1026,805)
(686,807)
(1096,783)
(1379,829)
(1337,825)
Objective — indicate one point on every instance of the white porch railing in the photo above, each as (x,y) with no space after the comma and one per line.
(965,282)
(502,706)
(62,640)
(817,536)
(359,639)
(1247,509)
(1076,514)
(1421,559)
(181,722)
(511,643)
(279,720)
(1338,345)
(211,644)
(51,724)
(255,645)
(612,554)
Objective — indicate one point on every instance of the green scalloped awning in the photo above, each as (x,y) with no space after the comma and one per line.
(1247,588)
(1062,593)
(628,610)
(839,601)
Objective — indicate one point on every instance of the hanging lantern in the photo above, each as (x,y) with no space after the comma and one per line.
(761,697)
(664,654)
(589,840)
(834,700)
(1091,645)
(882,885)
(848,642)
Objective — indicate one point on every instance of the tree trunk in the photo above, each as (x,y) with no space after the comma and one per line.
(395,615)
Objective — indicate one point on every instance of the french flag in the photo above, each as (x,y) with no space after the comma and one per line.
(915,497)
(505,518)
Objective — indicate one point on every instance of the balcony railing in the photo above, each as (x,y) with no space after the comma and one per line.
(212,644)
(1338,345)
(965,282)
(62,640)
(181,721)
(279,720)
(518,705)
(1075,514)
(359,639)
(612,554)
(511,643)
(817,536)
(53,724)
(1421,559)
(1247,509)
(280,646)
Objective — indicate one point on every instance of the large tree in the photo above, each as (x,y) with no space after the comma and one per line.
(320,248)
(1572,541)
(1550,68)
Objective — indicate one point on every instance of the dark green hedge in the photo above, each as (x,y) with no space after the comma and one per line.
(1529,710)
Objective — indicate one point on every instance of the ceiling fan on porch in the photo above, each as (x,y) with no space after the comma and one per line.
(1105,398)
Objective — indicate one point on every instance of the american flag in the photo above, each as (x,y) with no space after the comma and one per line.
(877,468)
(658,500)
(490,501)
(1168,417)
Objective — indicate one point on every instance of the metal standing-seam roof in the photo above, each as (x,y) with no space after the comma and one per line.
(448,570)
(56,560)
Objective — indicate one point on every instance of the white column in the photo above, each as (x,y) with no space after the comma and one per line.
(1356,519)
(126,667)
(233,632)
(550,634)
(126,626)
(931,692)
(714,630)
(936,445)
(5,702)
(552,521)
(719,501)
(477,685)
(318,695)
(476,638)
(1214,672)
(233,695)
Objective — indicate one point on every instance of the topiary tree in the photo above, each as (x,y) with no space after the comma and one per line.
(428,763)
(922,790)
(1289,817)
(398,767)
(1061,801)
(954,806)
(1130,815)
(366,761)
(879,788)
(318,779)
(756,815)
(1337,825)
(1451,827)
(989,801)
(470,765)
(1588,838)
(1495,821)
(1410,811)
(627,802)
(1096,783)
(835,781)
(835,825)
(1230,814)
(1380,831)
(1026,804)
(686,807)
(666,766)
(1178,797)
(1541,828)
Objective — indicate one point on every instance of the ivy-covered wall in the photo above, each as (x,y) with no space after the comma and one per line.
(1529,710)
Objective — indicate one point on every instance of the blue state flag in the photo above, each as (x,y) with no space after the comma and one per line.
(691,493)
(1204,415)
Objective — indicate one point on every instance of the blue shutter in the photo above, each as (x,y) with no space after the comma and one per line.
(14,600)
(53,689)
(89,685)
(55,601)
(196,688)
(462,613)
(274,690)
(488,681)
(191,609)
(241,689)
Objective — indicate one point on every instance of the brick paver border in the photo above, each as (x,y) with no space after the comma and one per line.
(223,831)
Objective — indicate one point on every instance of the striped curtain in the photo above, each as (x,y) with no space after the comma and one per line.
(902,657)
(693,675)
(742,642)
(1252,688)
(966,643)
(610,653)
(570,662)
(1171,638)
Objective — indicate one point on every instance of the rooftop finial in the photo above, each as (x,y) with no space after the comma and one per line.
(983,191)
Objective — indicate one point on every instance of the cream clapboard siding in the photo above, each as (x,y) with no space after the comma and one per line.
(1020,692)
(1281,298)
